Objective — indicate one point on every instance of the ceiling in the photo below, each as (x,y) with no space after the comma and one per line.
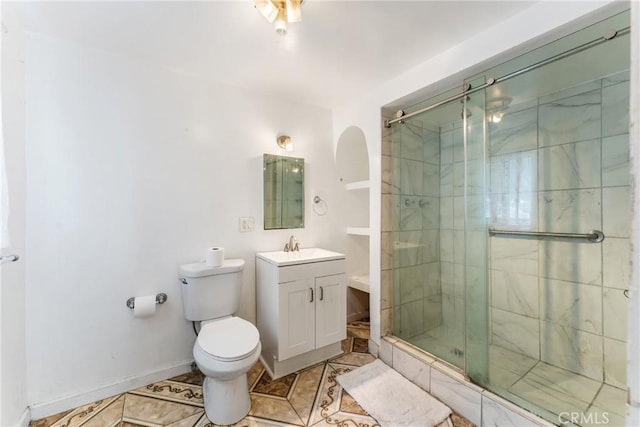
(340,50)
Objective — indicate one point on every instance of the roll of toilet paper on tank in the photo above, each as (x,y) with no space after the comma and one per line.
(215,257)
(144,306)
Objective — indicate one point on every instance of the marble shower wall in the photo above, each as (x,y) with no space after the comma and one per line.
(423,228)
(410,222)
(451,239)
(560,163)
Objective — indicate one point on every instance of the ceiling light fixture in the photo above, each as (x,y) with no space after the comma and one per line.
(285,142)
(279,12)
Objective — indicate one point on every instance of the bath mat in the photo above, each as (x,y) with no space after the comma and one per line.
(391,399)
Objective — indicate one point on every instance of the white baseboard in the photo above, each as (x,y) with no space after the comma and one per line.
(24,420)
(44,409)
(374,348)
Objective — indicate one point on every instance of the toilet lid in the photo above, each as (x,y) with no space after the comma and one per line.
(232,338)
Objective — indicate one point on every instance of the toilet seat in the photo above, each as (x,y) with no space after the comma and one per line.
(228,339)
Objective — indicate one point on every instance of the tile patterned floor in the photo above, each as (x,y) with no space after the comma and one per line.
(311,397)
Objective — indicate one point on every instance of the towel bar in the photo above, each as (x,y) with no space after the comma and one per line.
(9,258)
(595,236)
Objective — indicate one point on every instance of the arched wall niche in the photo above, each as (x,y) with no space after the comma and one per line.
(352,155)
(352,164)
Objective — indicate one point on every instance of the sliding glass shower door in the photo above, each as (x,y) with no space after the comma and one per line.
(558,166)
(432,155)
(495,197)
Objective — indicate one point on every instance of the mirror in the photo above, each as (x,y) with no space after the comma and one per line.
(283,192)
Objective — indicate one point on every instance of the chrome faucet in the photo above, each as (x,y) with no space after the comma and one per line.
(293,245)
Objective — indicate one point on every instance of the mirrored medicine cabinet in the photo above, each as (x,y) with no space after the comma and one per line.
(283,192)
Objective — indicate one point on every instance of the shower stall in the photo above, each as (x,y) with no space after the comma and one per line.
(495,205)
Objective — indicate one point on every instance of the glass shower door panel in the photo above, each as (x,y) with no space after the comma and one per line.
(475,235)
(513,204)
(424,151)
(558,161)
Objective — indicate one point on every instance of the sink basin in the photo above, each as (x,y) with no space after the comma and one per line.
(303,256)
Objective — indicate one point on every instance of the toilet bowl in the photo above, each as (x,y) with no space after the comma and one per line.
(226,346)
(224,351)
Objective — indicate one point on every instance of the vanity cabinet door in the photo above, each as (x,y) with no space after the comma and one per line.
(331,309)
(296,328)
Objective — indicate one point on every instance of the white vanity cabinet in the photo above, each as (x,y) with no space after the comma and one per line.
(301,311)
(312,314)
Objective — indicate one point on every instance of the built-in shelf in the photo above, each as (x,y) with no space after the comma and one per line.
(360,283)
(357,185)
(359,231)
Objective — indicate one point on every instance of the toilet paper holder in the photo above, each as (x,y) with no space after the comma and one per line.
(160,299)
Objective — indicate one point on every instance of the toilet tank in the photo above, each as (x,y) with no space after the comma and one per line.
(211,292)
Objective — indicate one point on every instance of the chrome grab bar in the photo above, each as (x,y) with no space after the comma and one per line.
(594,236)
(9,258)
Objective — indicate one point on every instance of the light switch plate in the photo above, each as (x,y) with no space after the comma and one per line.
(247,224)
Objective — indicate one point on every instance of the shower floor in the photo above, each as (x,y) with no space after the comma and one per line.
(541,388)
(549,391)
(446,343)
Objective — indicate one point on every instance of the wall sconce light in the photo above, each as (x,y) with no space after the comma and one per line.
(284,141)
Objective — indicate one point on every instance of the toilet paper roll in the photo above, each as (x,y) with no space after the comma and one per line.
(144,306)
(214,257)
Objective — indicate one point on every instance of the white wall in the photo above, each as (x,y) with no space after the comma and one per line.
(133,170)
(13,370)
(544,21)
(633,357)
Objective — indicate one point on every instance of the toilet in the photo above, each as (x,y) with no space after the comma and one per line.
(226,346)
